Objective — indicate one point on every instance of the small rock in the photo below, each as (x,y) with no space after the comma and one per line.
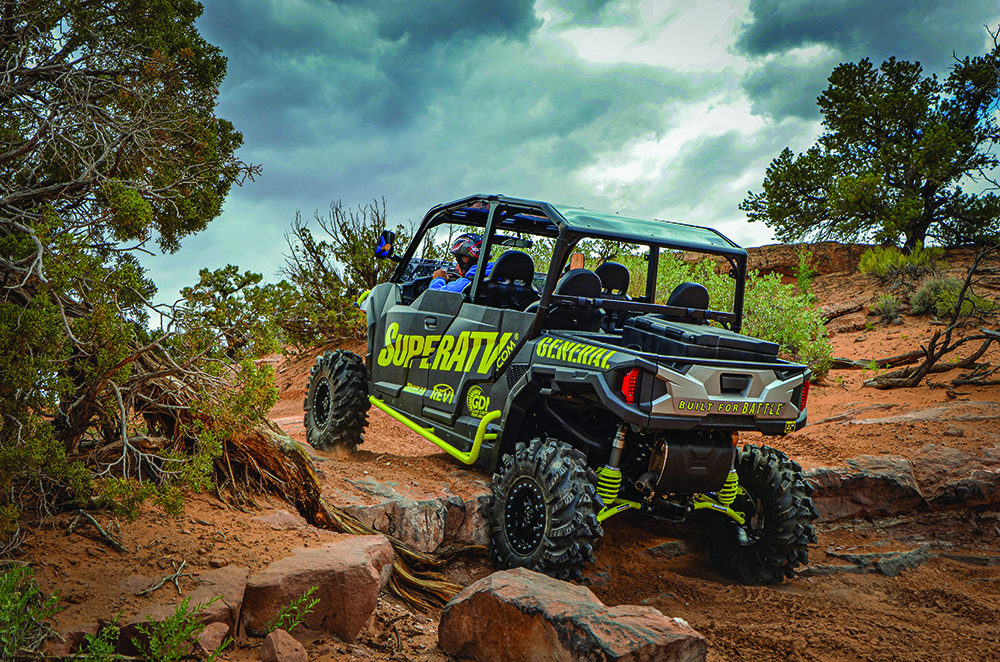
(279,646)
(72,640)
(282,520)
(954,432)
(218,562)
(669,549)
(212,636)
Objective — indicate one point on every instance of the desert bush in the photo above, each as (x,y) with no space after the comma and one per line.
(171,639)
(888,263)
(781,314)
(327,275)
(23,612)
(888,308)
(804,270)
(939,297)
(227,314)
(102,647)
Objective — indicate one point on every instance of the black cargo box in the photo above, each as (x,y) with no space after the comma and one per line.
(653,333)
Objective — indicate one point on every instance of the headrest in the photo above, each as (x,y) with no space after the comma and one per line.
(511,266)
(689,295)
(579,283)
(614,277)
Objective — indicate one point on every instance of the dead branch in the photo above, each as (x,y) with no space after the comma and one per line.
(942,344)
(839,311)
(175,578)
(909,377)
(110,539)
(891,362)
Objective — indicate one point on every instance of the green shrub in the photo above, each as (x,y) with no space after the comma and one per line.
(171,639)
(804,270)
(102,647)
(939,296)
(291,615)
(781,314)
(23,612)
(888,263)
(887,308)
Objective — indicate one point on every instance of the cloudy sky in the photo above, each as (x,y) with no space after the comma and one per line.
(667,109)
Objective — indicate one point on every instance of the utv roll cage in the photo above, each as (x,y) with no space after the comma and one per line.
(569,225)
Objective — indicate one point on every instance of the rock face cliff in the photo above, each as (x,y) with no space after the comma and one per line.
(828,257)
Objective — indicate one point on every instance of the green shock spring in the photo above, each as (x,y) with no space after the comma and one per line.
(727,495)
(609,481)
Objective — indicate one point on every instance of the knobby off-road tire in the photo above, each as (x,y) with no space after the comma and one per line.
(337,401)
(544,510)
(778,529)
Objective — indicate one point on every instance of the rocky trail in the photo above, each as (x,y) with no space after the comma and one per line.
(907,566)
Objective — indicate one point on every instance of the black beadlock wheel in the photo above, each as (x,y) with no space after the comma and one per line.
(778,529)
(337,401)
(544,510)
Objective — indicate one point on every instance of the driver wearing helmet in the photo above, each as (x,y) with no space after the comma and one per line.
(466,249)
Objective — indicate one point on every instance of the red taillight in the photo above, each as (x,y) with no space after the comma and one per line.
(805,395)
(629,385)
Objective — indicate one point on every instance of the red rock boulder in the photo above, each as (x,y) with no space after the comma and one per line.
(348,576)
(523,615)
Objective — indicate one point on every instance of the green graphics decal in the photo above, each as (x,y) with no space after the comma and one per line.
(574,352)
(443,393)
(451,353)
(477,402)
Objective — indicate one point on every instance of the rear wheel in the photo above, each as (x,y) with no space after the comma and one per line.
(544,510)
(337,401)
(775,537)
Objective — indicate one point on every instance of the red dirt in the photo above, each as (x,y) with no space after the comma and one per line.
(945,609)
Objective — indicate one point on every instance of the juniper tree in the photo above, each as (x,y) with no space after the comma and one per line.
(899,159)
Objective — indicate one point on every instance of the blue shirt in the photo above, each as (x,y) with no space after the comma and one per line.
(461,283)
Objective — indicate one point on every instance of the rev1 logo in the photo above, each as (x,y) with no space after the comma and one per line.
(443,393)
(477,402)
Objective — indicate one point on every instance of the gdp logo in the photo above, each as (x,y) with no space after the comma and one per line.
(443,393)
(477,402)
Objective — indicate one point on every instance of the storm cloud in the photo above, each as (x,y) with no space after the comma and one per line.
(660,109)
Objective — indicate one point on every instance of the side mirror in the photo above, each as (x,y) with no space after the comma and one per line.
(384,249)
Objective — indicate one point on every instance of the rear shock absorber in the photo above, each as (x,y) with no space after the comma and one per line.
(727,495)
(609,481)
(609,477)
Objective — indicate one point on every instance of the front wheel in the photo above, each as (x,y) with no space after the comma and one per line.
(544,510)
(775,536)
(337,401)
